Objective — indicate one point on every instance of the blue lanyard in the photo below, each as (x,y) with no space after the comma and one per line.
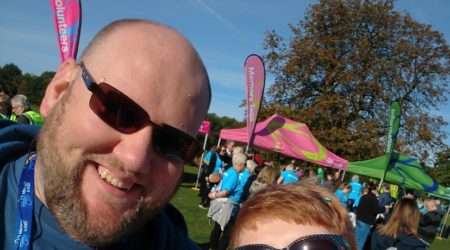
(24,210)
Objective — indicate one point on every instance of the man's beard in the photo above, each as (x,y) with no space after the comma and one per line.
(63,195)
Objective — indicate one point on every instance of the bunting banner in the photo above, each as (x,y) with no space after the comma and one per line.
(67,19)
(391,135)
(255,78)
(205,127)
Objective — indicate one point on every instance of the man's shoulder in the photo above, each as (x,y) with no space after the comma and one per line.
(434,215)
(16,140)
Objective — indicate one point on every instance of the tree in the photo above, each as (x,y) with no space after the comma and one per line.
(32,86)
(10,77)
(441,169)
(346,62)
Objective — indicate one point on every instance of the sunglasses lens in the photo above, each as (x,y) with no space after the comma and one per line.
(314,244)
(300,244)
(117,110)
(175,144)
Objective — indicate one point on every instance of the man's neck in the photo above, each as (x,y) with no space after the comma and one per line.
(39,183)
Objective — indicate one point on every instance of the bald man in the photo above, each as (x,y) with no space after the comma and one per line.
(120,124)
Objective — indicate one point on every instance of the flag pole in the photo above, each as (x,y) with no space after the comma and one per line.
(200,163)
(391,136)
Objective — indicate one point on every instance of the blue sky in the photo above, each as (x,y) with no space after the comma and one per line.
(224,33)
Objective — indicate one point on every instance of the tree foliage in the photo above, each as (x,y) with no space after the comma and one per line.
(343,66)
(441,169)
(12,79)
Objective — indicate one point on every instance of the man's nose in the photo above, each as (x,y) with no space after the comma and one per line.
(136,150)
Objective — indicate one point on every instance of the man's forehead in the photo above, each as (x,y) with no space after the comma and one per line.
(160,76)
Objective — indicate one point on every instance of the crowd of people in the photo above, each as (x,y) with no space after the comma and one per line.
(377,216)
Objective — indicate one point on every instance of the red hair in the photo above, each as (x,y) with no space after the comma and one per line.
(303,203)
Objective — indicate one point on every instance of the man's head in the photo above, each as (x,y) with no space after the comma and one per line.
(239,161)
(290,166)
(251,165)
(430,204)
(355,178)
(19,104)
(230,147)
(110,157)
(222,151)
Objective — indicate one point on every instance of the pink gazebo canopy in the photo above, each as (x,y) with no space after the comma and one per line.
(287,137)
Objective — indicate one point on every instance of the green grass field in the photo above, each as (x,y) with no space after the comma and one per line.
(187,201)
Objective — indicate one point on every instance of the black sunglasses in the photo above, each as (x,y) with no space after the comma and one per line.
(126,116)
(310,242)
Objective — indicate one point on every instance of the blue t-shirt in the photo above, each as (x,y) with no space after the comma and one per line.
(230,182)
(166,231)
(243,178)
(289,176)
(219,163)
(355,194)
(341,197)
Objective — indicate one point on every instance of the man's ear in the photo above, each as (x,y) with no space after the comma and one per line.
(58,86)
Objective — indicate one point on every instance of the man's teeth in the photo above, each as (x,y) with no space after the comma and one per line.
(113,181)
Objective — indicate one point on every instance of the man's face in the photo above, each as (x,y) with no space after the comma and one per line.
(17,108)
(230,148)
(100,184)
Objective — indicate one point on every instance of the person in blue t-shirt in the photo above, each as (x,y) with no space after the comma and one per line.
(119,128)
(355,194)
(211,164)
(288,175)
(227,188)
(342,193)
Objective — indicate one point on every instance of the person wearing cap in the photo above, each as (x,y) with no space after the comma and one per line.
(120,126)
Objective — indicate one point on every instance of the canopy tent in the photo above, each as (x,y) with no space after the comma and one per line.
(287,137)
(403,171)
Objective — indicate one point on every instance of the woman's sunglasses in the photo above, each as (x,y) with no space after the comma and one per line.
(310,242)
(126,116)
